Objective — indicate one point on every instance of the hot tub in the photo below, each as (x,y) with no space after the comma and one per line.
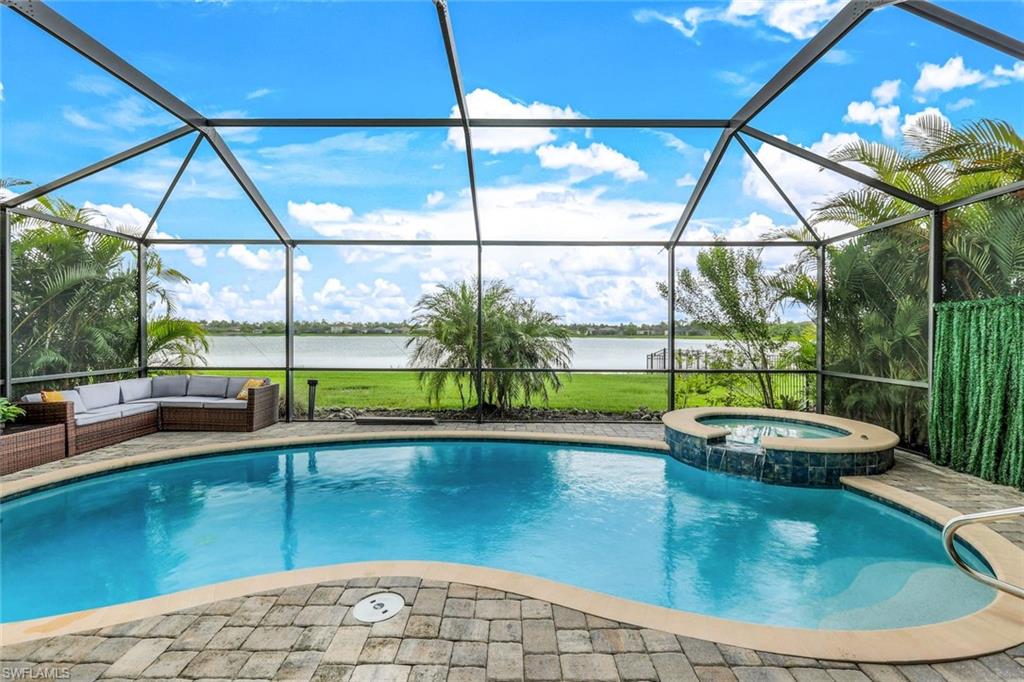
(778,446)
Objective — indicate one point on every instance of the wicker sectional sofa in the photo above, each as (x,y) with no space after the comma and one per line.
(97,415)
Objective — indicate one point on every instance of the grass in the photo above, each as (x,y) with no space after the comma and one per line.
(609,393)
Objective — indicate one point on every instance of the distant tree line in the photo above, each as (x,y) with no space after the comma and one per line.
(233,327)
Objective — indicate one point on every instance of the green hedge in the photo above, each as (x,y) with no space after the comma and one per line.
(977,407)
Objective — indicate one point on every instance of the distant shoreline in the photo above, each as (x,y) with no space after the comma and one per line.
(589,336)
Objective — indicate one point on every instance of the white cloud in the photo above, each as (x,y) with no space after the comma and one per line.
(80,120)
(264,259)
(1001,74)
(196,254)
(483,103)
(328,212)
(1,92)
(516,211)
(133,220)
(753,227)
(240,134)
(200,300)
(130,113)
(590,161)
(674,142)
(591,284)
(744,85)
(798,19)
(686,23)
(869,114)
(910,120)
(260,92)
(687,180)
(951,75)
(380,301)
(886,91)
(94,85)
(349,159)
(838,57)
(125,218)
(804,182)
(960,104)
(435,198)
(353,142)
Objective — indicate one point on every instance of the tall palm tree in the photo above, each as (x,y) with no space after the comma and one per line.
(983,242)
(876,320)
(516,334)
(75,306)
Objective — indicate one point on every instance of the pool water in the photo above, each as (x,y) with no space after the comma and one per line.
(635,524)
(751,430)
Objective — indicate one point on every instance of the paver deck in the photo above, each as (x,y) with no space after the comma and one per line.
(453,631)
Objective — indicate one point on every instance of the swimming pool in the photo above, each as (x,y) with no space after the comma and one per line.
(753,429)
(636,524)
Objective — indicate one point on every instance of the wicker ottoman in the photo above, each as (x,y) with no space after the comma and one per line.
(23,447)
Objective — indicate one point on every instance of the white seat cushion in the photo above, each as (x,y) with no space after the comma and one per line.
(87,418)
(138,408)
(193,401)
(188,401)
(226,404)
(109,409)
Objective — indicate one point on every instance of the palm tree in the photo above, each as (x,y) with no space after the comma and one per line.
(876,320)
(983,242)
(516,334)
(75,306)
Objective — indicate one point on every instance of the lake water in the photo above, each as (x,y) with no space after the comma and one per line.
(390,351)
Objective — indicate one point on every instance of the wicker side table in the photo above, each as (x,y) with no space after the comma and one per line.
(22,447)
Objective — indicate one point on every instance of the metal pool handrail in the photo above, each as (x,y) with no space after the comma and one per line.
(949,535)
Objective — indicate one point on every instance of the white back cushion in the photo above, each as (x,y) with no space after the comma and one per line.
(136,389)
(100,395)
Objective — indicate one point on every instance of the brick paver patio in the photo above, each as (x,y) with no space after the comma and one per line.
(450,631)
(456,632)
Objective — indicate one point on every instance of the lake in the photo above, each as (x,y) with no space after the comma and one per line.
(390,352)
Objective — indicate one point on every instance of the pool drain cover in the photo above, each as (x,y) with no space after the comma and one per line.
(378,607)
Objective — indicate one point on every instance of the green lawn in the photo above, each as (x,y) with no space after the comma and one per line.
(610,393)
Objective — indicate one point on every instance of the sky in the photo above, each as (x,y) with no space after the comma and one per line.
(572,60)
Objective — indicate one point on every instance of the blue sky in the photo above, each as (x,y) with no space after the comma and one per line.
(552,60)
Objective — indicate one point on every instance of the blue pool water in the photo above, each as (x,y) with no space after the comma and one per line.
(753,429)
(635,524)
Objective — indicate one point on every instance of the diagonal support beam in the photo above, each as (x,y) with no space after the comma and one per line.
(234,167)
(81,42)
(448,35)
(702,184)
(174,183)
(68,222)
(771,180)
(965,27)
(97,167)
(445,23)
(839,168)
(830,34)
